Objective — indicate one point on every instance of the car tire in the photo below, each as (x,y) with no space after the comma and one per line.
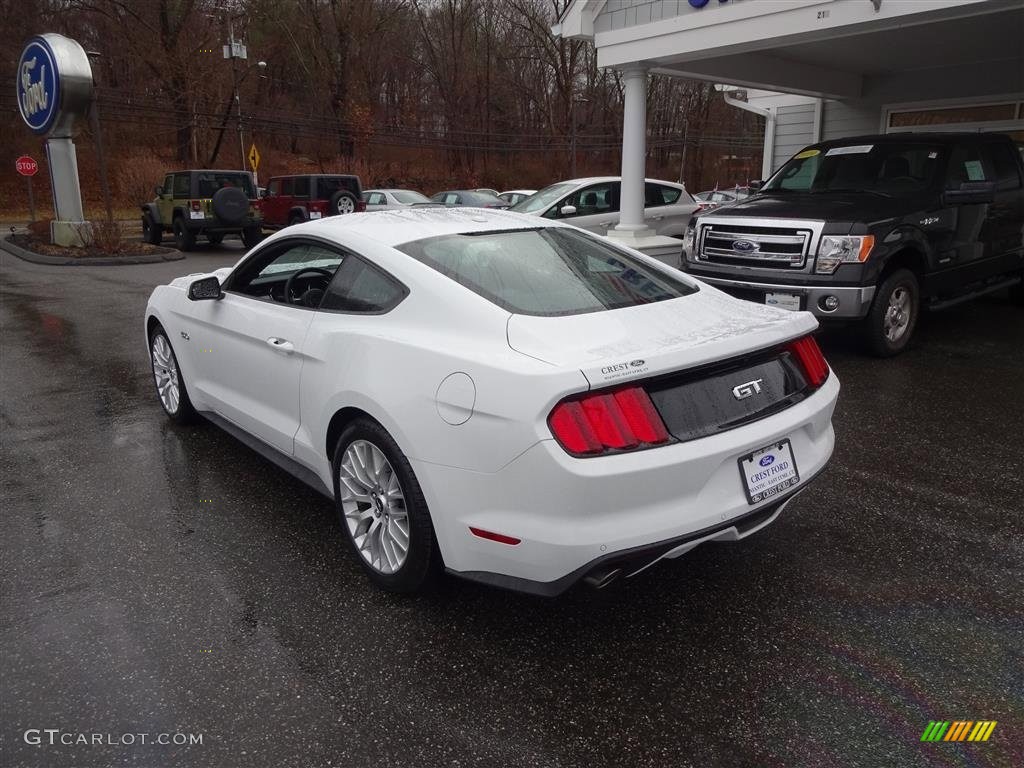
(342,203)
(894,313)
(170,384)
(251,236)
(152,233)
(215,238)
(391,495)
(184,238)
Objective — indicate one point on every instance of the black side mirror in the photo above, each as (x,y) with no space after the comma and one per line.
(159,191)
(755,185)
(971,192)
(205,289)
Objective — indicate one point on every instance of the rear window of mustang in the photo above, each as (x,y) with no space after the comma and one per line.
(546,271)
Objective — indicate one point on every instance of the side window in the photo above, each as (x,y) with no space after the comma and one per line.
(271,267)
(1004,166)
(181,185)
(451,199)
(301,187)
(658,194)
(965,165)
(288,187)
(357,287)
(377,199)
(168,184)
(274,188)
(595,199)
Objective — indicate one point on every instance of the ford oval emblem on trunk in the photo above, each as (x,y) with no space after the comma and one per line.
(745,246)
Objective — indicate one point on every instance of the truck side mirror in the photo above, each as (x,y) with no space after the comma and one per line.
(755,185)
(971,192)
(159,191)
(567,210)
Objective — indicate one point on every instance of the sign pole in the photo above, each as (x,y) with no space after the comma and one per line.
(31,200)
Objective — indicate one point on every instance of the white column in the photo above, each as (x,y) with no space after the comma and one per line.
(634,153)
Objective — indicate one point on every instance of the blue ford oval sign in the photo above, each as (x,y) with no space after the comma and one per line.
(38,86)
(744,246)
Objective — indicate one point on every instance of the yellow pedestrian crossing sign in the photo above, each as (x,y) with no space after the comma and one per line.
(254,158)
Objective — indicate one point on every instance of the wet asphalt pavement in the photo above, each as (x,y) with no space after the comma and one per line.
(159,579)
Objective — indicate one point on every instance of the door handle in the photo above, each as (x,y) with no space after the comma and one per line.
(281,345)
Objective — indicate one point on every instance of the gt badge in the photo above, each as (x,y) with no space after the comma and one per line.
(743,391)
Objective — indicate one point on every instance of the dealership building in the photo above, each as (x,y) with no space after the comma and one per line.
(814,69)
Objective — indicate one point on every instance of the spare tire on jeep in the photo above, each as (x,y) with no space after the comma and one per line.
(342,202)
(230,205)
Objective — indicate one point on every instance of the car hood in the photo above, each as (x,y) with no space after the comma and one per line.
(835,206)
(636,342)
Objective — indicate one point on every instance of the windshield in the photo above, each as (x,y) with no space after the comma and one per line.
(408,197)
(540,201)
(890,168)
(546,271)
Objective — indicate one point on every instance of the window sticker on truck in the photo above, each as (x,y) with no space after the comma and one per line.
(807,153)
(857,149)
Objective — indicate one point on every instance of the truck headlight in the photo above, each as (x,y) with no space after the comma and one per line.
(690,238)
(842,249)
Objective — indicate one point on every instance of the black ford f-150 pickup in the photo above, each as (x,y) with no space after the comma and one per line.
(872,229)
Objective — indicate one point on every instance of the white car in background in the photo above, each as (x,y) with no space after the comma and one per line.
(593,204)
(382,199)
(514,196)
(506,398)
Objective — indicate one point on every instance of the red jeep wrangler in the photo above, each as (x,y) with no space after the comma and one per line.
(292,199)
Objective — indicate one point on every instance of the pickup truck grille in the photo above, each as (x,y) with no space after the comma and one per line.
(749,246)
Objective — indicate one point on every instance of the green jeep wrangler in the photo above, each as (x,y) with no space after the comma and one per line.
(208,203)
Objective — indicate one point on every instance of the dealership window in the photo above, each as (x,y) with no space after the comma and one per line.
(981,113)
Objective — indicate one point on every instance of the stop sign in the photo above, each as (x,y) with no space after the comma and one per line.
(26,166)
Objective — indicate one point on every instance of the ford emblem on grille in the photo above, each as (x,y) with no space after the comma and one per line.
(745,246)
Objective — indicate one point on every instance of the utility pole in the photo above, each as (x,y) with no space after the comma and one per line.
(94,117)
(682,160)
(235,50)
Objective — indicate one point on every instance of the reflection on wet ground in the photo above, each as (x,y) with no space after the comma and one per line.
(160,579)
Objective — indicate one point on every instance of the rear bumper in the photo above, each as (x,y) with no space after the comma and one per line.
(854,301)
(580,517)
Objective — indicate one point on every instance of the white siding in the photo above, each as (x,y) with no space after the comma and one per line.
(794,130)
(841,119)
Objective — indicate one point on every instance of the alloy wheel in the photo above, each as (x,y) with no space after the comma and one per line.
(373,506)
(165,372)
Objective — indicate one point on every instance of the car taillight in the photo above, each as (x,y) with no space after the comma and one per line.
(195,205)
(808,353)
(360,206)
(623,420)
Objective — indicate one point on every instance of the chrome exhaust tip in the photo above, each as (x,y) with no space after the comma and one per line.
(600,579)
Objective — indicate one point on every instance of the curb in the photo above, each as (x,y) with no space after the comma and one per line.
(99,261)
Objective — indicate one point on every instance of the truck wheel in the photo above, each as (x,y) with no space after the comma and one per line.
(251,236)
(893,315)
(152,232)
(215,238)
(184,238)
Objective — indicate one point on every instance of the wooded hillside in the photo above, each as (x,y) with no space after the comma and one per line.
(420,93)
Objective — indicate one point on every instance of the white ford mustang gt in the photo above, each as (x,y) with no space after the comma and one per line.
(509,399)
